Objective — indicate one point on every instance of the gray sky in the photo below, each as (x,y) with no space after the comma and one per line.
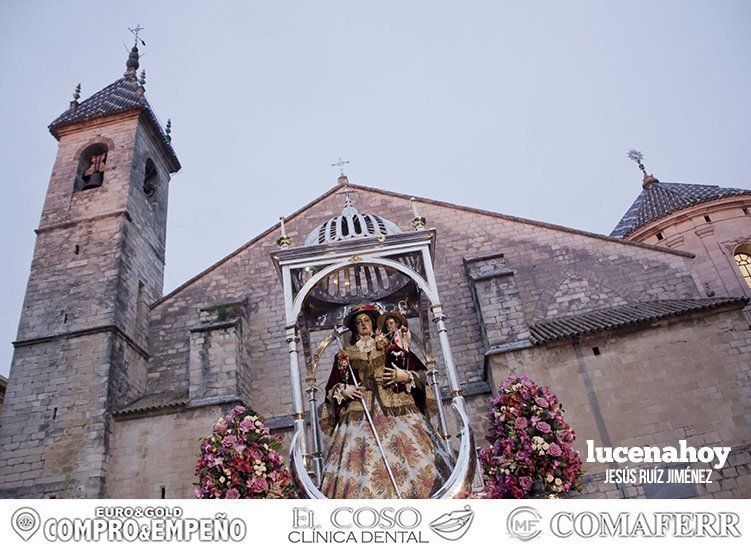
(527,108)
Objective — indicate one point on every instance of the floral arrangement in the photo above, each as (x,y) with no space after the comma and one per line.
(531,453)
(240,460)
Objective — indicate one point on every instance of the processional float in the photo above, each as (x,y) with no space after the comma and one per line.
(350,259)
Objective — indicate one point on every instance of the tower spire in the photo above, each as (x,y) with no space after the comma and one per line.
(131,65)
(76,96)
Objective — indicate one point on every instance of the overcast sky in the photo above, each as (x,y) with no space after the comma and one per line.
(527,108)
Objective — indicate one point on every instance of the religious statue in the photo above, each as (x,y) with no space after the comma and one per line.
(383,444)
(395,329)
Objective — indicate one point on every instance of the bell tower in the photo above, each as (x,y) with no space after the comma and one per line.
(82,345)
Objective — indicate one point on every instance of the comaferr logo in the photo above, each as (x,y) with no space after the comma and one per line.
(641,524)
(524,523)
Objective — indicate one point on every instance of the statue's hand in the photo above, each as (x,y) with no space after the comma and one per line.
(351,392)
(393,376)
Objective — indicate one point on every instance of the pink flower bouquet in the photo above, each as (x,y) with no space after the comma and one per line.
(240,460)
(531,453)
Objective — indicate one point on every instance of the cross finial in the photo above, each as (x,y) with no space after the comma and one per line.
(637,156)
(135,32)
(346,192)
(131,66)
(340,164)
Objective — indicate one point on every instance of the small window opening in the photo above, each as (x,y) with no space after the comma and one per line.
(76,249)
(150,179)
(142,311)
(53,496)
(65,318)
(660,236)
(91,167)
(356,224)
(743,260)
(54,413)
(707,219)
(596,350)
(163,491)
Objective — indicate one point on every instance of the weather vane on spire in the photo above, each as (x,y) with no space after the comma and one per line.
(637,156)
(131,66)
(340,164)
(135,32)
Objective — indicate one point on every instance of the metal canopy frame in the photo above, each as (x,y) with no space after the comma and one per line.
(382,252)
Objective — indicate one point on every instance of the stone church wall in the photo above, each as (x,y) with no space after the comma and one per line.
(677,379)
(158,451)
(558,271)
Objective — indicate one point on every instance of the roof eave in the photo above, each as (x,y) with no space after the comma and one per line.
(145,116)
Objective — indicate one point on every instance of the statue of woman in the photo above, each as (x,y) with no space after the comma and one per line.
(397,399)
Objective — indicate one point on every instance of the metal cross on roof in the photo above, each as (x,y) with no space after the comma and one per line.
(135,32)
(346,192)
(637,156)
(340,164)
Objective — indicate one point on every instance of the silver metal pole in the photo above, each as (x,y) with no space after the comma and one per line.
(294,367)
(439,318)
(433,381)
(432,375)
(315,429)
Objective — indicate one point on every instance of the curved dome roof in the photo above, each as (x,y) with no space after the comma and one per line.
(351,224)
(659,199)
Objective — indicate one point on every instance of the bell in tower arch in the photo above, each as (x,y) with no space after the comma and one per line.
(91,167)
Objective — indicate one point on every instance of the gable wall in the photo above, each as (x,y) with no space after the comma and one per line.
(544,259)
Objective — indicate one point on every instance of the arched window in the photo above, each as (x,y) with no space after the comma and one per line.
(743,260)
(91,167)
(150,179)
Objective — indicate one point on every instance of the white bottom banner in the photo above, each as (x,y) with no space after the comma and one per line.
(371,521)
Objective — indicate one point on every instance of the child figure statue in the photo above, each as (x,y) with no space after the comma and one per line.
(395,330)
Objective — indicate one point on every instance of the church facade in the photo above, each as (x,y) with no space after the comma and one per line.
(643,334)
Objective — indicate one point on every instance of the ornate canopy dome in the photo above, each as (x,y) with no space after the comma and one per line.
(350,224)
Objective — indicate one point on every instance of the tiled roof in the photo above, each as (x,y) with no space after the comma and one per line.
(155,401)
(118,97)
(660,199)
(621,316)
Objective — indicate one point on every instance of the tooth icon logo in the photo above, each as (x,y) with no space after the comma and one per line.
(454,525)
(25,522)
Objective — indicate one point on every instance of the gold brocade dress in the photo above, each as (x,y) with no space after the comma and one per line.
(354,467)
